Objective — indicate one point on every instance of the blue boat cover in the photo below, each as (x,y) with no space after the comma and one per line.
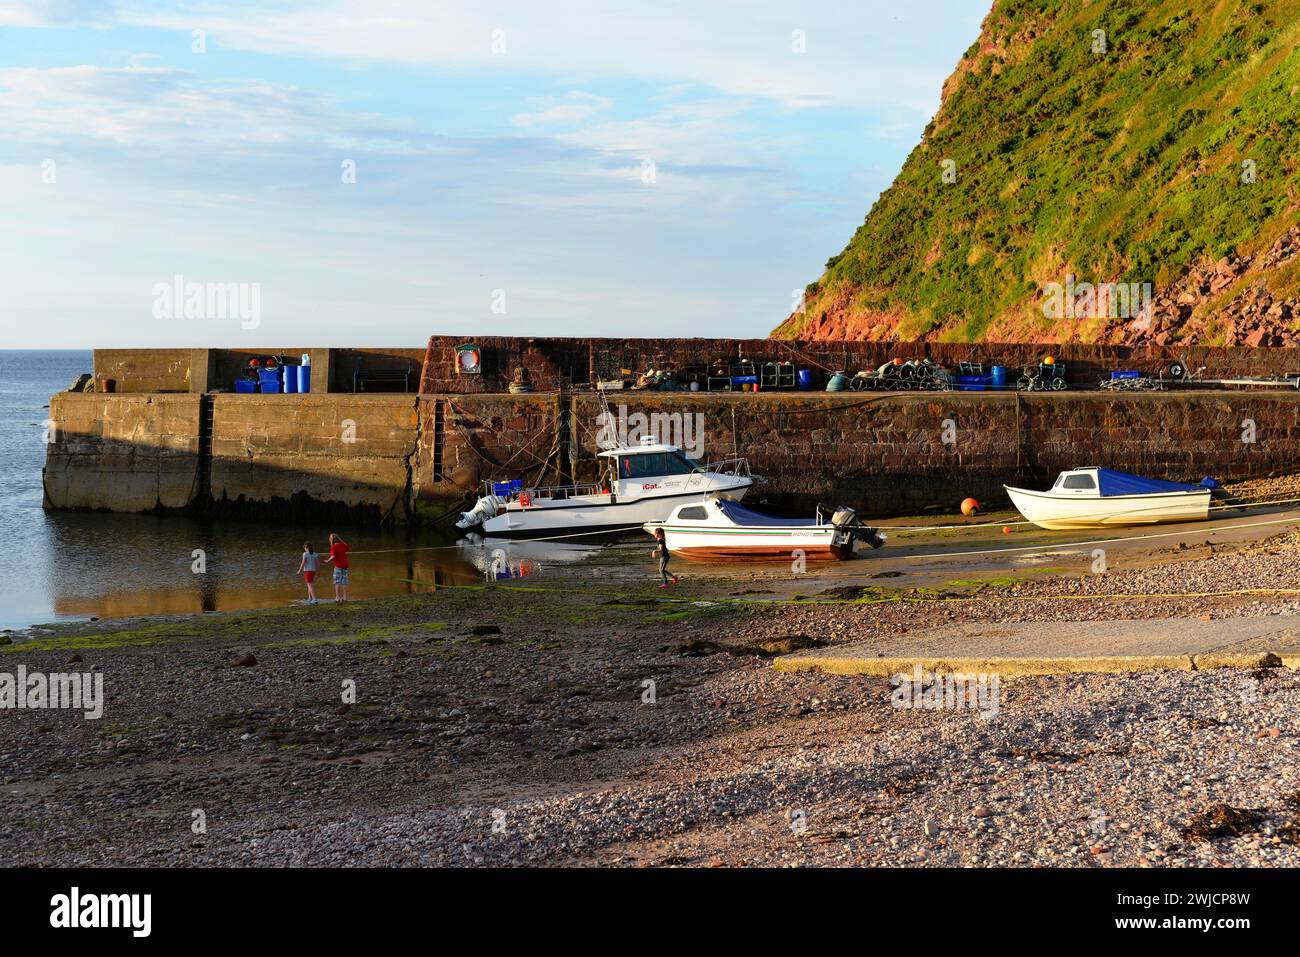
(746,516)
(1121,483)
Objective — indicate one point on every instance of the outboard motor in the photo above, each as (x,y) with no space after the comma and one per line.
(844,516)
(847,518)
(486,507)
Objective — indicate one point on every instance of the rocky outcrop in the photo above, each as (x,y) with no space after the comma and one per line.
(1228,301)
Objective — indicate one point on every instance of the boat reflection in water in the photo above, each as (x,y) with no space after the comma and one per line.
(503,559)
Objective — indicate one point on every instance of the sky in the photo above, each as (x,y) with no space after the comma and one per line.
(372,172)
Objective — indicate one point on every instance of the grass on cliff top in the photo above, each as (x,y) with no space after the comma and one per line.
(1124,165)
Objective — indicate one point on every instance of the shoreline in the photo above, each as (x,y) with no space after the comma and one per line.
(526,708)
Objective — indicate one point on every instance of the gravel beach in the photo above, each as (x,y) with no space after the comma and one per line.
(602,722)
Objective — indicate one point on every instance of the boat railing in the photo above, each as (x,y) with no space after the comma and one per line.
(734,466)
(571,490)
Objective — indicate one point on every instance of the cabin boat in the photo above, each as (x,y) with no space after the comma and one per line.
(1096,497)
(719,530)
(638,484)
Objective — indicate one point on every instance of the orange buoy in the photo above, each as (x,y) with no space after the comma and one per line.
(1006,529)
(969,506)
(1048,361)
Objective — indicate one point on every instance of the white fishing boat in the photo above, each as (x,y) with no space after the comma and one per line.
(638,484)
(719,530)
(1095,497)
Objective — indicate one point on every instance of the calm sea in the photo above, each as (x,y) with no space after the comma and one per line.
(76,565)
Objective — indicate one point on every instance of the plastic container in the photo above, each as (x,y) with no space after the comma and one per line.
(805,380)
(269,380)
(304,377)
(998,377)
(245,385)
(837,382)
(289,382)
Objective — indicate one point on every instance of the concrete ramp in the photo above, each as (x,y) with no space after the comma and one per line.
(1061,647)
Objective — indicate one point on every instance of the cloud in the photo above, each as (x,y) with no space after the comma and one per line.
(573,107)
(732,46)
(55,13)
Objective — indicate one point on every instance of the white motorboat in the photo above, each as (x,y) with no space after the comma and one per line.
(639,484)
(718,530)
(1095,497)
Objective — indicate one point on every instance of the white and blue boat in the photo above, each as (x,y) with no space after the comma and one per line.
(1096,497)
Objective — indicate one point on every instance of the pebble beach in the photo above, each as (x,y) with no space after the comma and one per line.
(554,724)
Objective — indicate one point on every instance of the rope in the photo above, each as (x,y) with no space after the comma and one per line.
(920,557)
(944,528)
(554,538)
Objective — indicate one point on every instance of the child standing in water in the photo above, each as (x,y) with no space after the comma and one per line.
(661,552)
(307,569)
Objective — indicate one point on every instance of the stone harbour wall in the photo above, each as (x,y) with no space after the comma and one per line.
(410,459)
(122,453)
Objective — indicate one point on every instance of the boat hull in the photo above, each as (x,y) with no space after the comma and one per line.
(578,517)
(1060,512)
(813,543)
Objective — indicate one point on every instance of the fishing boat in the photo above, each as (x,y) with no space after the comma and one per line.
(719,530)
(638,484)
(1095,497)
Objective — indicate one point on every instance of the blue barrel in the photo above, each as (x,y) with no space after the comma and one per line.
(837,383)
(304,378)
(805,380)
(290,378)
(998,377)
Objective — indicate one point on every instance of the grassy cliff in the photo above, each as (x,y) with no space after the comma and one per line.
(1136,141)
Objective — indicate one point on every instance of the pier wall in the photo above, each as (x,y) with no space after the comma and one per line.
(409,458)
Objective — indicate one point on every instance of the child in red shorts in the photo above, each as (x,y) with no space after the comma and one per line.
(307,569)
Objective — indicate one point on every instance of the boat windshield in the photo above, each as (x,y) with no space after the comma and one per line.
(649,464)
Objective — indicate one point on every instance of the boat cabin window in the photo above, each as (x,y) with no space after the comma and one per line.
(1079,481)
(694,514)
(649,464)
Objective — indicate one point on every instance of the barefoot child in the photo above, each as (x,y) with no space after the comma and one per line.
(307,569)
(661,552)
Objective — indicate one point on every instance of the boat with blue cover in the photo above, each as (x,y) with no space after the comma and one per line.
(1096,497)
